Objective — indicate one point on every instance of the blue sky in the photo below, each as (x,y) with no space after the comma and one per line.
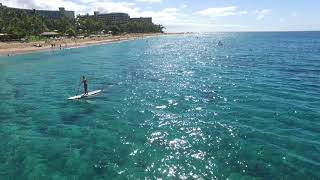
(201,15)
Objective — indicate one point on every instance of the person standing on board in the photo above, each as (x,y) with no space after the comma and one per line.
(85,85)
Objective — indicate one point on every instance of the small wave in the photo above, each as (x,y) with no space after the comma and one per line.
(161,107)
(199,108)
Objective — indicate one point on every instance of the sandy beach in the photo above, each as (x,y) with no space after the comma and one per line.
(14,48)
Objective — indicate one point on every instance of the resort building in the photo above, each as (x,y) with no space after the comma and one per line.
(142,19)
(110,18)
(116,18)
(113,18)
(52,15)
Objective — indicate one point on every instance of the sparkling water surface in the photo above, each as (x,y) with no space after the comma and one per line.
(172,107)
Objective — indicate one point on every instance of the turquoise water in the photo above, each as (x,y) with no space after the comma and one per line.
(174,107)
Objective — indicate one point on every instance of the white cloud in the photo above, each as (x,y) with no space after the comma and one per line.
(294,14)
(221,11)
(184,6)
(107,7)
(150,1)
(243,12)
(261,14)
(47,5)
(164,16)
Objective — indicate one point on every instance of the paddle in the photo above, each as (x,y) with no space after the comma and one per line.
(80,82)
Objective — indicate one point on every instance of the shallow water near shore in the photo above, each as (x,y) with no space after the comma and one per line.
(172,107)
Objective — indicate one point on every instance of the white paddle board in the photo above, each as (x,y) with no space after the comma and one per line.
(92,93)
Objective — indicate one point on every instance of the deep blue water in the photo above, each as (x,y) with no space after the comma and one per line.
(172,107)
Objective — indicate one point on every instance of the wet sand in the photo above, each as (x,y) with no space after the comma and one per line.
(14,48)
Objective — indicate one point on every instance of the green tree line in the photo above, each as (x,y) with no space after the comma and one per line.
(20,24)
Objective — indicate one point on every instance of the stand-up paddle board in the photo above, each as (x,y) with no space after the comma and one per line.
(92,93)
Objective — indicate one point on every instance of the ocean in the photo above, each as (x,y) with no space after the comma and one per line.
(171,107)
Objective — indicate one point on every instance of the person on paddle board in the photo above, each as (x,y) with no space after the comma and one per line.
(85,85)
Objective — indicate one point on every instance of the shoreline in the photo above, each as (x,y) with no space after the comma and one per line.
(18,48)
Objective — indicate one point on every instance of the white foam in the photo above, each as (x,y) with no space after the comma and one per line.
(161,107)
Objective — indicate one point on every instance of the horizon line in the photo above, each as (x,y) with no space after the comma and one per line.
(244,31)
